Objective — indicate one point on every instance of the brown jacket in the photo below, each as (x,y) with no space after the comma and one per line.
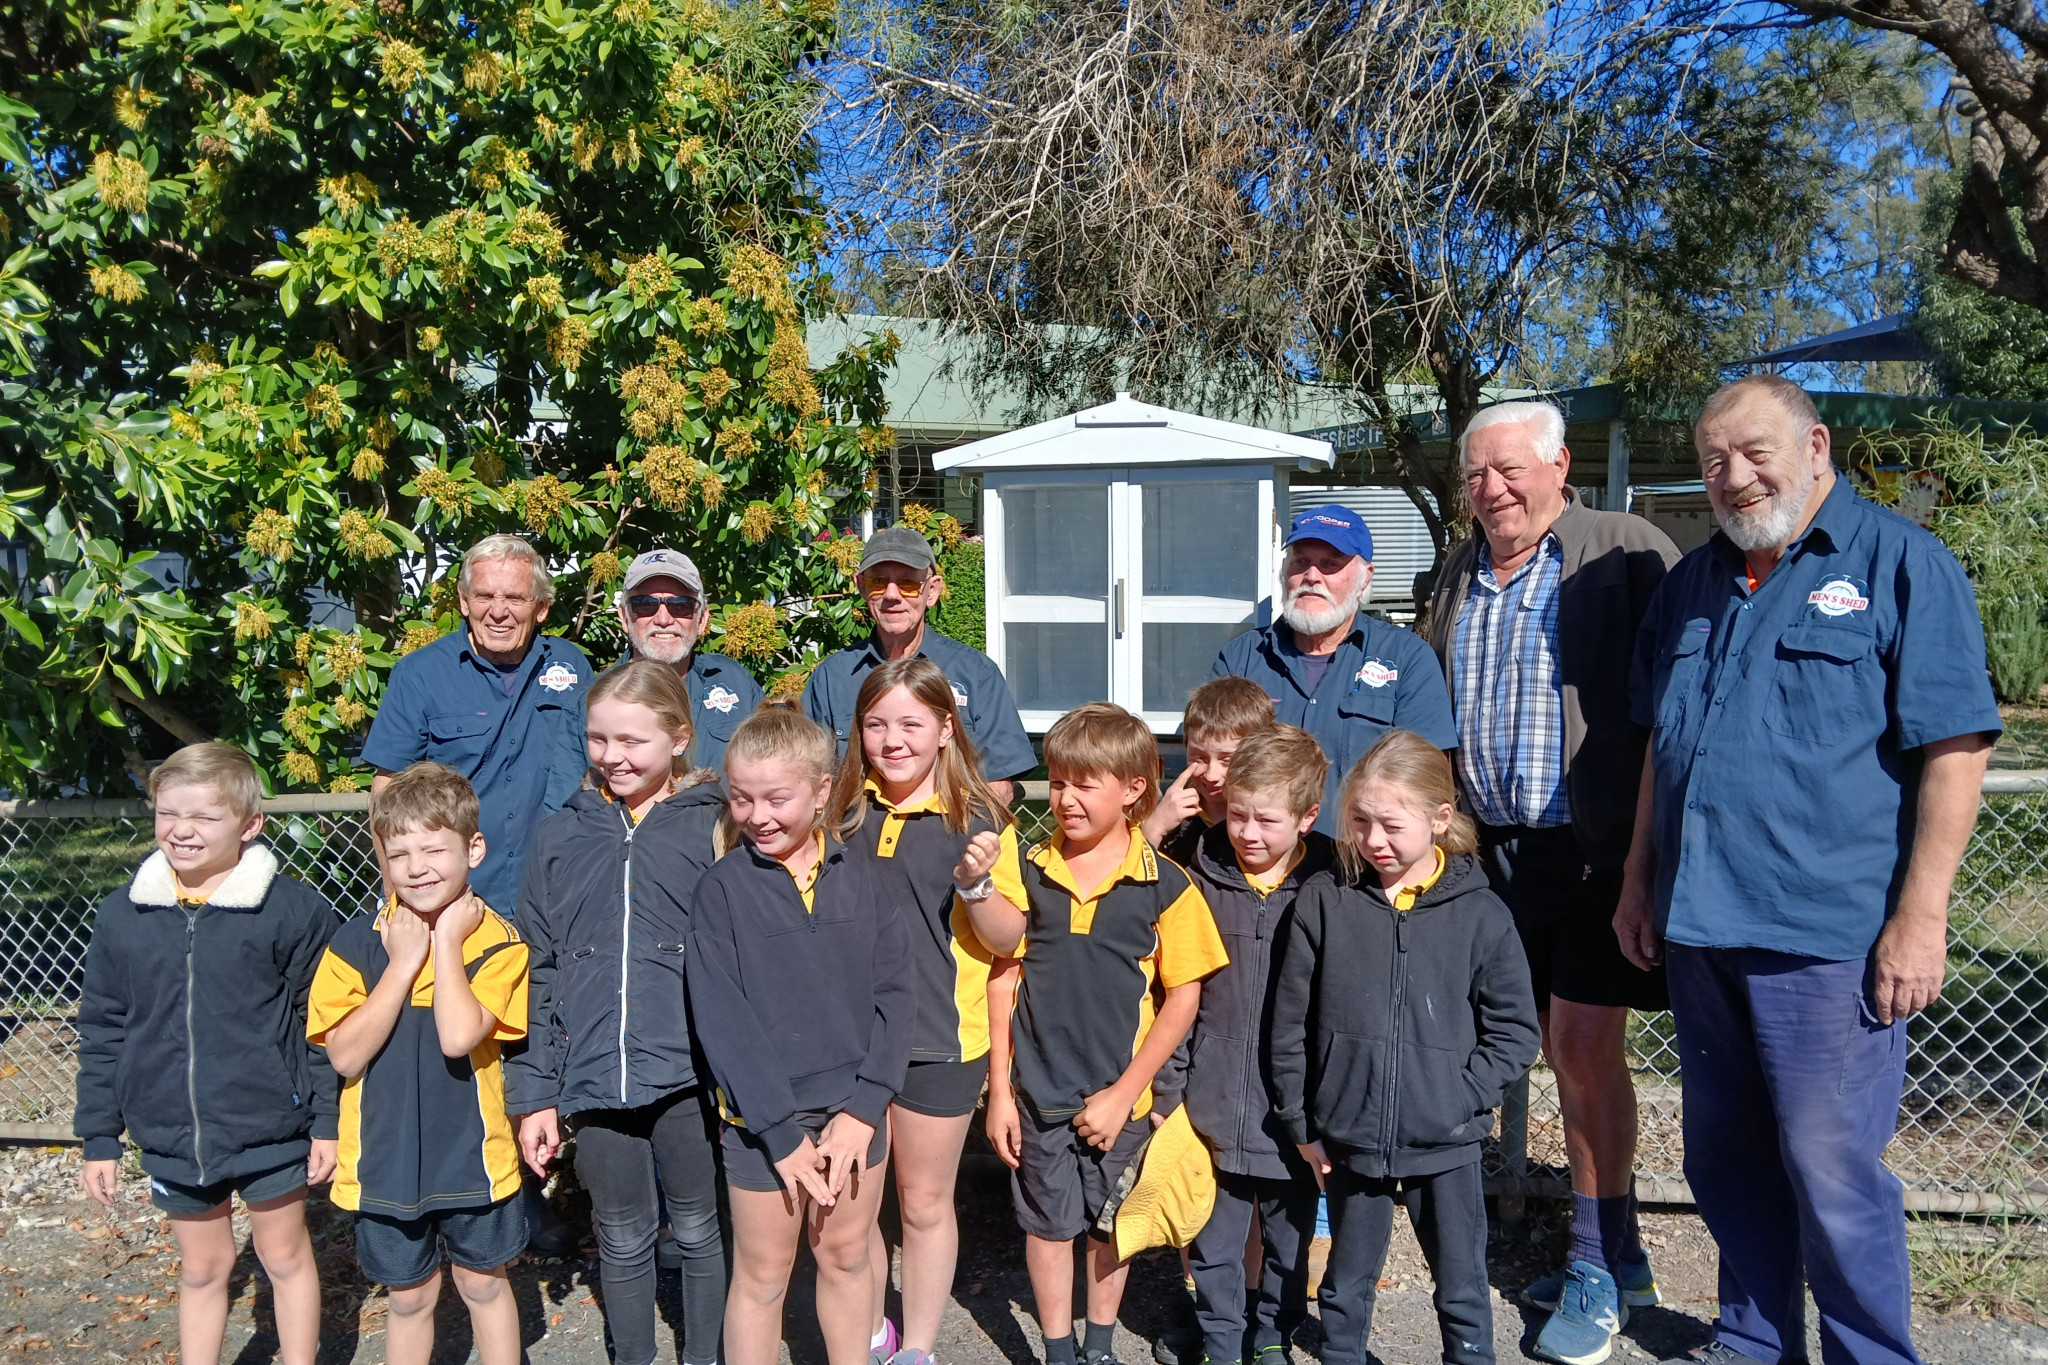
(1613,561)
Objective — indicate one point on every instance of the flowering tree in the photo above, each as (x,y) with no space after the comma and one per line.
(285,285)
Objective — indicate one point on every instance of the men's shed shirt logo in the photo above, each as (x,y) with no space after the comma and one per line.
(1837,597)
(959,696)
(1377,674)
(558,678)
(721,700)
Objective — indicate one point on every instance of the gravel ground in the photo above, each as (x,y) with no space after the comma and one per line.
(85,1284)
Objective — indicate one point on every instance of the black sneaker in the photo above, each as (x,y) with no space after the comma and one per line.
(1721,1353)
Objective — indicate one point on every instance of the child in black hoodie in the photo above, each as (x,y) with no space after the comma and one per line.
(801,985)
(605,910)
(1408,971)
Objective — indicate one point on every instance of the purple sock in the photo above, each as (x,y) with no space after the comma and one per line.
(1587,1244)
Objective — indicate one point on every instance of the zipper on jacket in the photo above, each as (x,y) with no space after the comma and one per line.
(1255,1002)
(191,1048)
(1394,1036)
(625,947)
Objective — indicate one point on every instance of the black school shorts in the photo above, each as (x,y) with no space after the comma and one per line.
(176,1199)
(749,1167)
(1565,915)
(944,1090)
(1061,1181)
(402,1252)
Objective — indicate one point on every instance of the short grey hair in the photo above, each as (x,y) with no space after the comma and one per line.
(1546,440)
(509,547)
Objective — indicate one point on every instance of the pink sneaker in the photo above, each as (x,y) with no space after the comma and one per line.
(891,1339)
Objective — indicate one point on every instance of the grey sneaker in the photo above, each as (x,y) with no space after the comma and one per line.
(910,1355)
(1720,1353)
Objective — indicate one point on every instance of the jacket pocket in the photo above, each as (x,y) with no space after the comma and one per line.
(1820,683)
(1346,1104)
(1436,1107)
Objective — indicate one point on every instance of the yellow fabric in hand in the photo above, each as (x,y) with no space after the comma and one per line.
(1175,1192)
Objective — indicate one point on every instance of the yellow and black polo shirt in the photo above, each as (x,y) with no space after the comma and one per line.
(913,859)
(1085,1003)
(420,1131)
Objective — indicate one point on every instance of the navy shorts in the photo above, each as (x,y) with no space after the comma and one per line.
(402,1252)
(944,1090)
(176,1199)
(1062,1180)
(749,1167)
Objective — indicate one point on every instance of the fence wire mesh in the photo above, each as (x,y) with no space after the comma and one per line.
(1972,1131)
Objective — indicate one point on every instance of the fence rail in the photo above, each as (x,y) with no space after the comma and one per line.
(1973,1132)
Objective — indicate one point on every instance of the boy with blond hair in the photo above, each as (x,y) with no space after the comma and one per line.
(1249,867)
(192,1038)
(412,1005)
(1073,1061)
(1219,714)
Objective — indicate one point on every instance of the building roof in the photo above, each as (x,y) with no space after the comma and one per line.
(1127,432)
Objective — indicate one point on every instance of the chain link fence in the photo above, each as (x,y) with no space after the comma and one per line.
(1973,1134)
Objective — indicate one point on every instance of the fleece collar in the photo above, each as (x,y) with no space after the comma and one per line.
(244,889)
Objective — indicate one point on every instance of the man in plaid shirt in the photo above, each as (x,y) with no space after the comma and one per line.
(1535,622)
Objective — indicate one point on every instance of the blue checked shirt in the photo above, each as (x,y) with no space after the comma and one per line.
(1509,696)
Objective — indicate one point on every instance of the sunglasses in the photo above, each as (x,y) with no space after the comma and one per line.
(644,608)
(875,585)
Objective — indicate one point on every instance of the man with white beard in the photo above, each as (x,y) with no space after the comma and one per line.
(1814,679)
(663,608)
(1345,677)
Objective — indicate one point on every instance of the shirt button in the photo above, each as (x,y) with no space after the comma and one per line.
(1692,805)
(1745,606)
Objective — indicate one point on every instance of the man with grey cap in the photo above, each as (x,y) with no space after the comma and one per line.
(662,607)
(899,579)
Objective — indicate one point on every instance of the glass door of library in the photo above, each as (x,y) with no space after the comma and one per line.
(1121,585)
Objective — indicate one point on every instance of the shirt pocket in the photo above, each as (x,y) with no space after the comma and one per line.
(1680,669)
(1820,685)
(1364,715)
(456,739)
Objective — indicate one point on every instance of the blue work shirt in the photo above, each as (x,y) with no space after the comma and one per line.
(722,694)
(1381,678)
(979,690)
(1785,722)
(522,750)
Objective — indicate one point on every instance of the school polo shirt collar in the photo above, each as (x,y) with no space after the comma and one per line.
(892,816)
(1140,865)
(486,935)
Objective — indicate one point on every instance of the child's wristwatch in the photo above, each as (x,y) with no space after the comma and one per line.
(980,891)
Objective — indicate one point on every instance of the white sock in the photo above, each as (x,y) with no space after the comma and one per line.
(879,1339)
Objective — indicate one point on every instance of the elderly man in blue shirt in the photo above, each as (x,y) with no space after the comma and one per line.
(1814,676)
(498,702)
(1344,676)
(899,577)
(664,610)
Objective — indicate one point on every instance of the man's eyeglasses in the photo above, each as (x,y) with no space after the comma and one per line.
(645,608)
(875,585)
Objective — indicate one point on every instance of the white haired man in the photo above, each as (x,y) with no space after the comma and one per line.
(664,611)
(498,702)
(1345,677)
(1535,621)
(1815,678)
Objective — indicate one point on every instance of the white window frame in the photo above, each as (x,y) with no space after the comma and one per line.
(1125,609)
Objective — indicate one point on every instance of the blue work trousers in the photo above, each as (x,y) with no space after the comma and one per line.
(1791,1096)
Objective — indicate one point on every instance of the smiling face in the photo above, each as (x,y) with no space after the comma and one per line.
(901,738)
(630,748)
(1514,495)
(1322,586)
(429,868)
(898,596)
(671,631)
(501,609)
(1262,829)
(201,833)
(1766,472)
(775,802)
(1089,806)
(1394,832)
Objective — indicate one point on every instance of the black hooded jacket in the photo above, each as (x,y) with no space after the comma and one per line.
(1220,1072)
(1395,1032)
(192,1025)
(605,910)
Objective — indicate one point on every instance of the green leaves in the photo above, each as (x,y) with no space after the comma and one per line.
(305,296)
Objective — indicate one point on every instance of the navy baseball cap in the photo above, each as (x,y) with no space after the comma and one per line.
(1335,525)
